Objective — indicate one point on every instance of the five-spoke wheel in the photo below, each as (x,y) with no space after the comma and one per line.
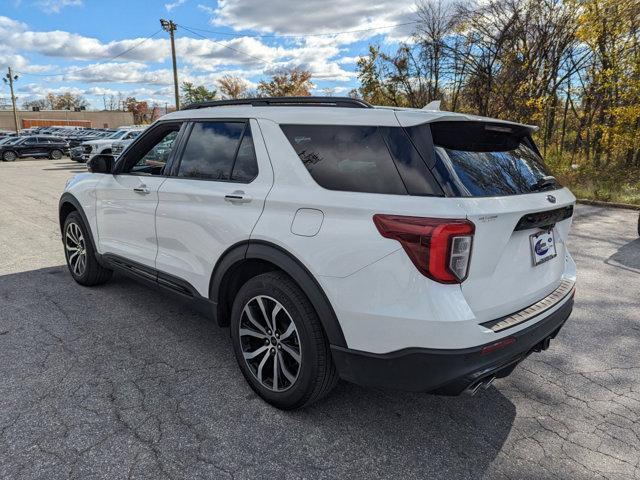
(78,250)
(279,342)
(75,248)
(270,343)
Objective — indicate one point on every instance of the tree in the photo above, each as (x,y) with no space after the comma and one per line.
(140,110)
(65,101)
(193,94)
(232,87)
(40,104)
(110,102)
(295,82)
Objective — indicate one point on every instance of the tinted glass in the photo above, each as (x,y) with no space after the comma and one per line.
(154,160)
(348,158)
(211,150)
(246,167)
(489,160)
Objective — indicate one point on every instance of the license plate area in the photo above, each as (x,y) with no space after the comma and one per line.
(543,246)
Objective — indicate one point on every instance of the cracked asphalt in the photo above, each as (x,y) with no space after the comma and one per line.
(122,381)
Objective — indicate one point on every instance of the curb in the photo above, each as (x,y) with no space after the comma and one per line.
(599,203)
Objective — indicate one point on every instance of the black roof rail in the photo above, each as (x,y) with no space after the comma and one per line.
(285,102)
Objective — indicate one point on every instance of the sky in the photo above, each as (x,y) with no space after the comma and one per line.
(103,47)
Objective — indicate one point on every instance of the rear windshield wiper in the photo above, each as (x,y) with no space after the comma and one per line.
(544,182)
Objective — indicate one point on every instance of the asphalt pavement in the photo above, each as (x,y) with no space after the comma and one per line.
(125,382)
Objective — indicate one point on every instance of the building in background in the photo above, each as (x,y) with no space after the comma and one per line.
(84,118)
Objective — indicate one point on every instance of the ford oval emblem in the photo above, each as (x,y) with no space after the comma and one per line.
(551,198)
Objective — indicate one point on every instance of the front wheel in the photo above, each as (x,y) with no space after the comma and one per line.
(56,154)
(78,249)
(279,342)
(9,156)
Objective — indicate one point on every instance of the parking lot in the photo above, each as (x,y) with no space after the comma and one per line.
(122,381)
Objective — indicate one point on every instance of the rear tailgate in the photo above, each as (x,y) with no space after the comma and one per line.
(502,275)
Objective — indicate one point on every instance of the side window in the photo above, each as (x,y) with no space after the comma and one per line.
(211,150)
(245,168)
(347,158)
(152,154)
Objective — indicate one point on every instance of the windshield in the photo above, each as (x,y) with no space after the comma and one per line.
(117,134)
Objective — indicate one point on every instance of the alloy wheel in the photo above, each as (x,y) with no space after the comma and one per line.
(9,156)
(56,154)
(270,343)
(75,246)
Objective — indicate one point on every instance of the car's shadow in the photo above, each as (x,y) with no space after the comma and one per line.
(71,166)
(125,360)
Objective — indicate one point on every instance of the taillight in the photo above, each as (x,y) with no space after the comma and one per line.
(440,248)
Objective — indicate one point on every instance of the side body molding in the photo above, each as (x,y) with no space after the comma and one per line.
(267,252)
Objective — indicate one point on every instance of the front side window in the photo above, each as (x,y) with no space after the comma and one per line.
(219,151)
(346,158)
(156,157)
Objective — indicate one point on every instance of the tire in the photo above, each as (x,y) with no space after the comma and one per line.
(298,383)
(9,156)
(55,154)
(83,266)
(639,225)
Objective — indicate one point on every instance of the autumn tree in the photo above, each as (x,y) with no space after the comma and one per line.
(139,109)
(295,82)
(232,87)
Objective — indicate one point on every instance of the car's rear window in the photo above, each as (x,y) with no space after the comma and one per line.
(481,159)
(366,159)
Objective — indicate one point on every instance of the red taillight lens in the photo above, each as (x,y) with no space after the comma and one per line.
(440,248)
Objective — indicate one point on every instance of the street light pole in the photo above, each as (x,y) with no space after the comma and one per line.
(170,27)
(10,78)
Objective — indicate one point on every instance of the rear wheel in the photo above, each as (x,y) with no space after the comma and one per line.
(279,342)
(56,154)
(9,156)
(78,250)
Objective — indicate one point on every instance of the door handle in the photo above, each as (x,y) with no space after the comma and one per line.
(141,189)
(237,197)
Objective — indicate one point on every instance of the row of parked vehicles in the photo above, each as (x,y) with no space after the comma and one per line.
(53,142)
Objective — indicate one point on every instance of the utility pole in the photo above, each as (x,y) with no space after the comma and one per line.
(10,78)
(170,27)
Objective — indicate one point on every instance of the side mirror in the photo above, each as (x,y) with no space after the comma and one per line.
(100,164)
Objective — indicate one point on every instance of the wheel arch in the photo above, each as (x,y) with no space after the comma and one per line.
(68,204)
(247,259)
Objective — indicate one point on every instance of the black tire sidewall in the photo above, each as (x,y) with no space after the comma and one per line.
(74,217)
(6,159)
(261,285)
(53,156)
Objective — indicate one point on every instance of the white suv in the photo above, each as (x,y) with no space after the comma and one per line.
(411,249)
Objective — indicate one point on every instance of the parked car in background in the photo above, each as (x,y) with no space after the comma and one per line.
(404,248)
(103,145)
(35,146)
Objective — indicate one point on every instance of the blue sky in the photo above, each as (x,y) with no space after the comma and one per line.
(69,45)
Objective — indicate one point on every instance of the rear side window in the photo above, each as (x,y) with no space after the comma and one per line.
(211,150)
(347,158)
(480,159)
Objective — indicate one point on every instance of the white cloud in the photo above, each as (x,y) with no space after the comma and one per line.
(55,6)
(171,6)
(311,16)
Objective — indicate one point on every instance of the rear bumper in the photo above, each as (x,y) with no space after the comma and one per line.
(447,372)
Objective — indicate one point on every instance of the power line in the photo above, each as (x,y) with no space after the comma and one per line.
(99,63)
(237,35)
(227,46)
